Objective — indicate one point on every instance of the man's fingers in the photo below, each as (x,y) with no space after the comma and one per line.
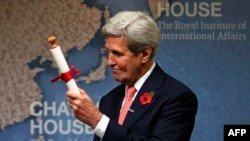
(72,95)
(82,92)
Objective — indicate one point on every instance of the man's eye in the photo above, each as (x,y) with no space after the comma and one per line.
(116,53)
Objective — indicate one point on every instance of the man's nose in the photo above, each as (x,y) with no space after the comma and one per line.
(111,60)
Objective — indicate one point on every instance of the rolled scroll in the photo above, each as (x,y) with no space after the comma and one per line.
(67,73)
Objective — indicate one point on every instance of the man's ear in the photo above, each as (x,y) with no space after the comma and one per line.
(146,54)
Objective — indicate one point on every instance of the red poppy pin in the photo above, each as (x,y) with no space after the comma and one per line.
(146,98)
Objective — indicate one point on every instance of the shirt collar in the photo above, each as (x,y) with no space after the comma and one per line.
(138,84)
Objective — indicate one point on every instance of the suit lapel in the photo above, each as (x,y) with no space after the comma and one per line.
(153,83)
(115,103)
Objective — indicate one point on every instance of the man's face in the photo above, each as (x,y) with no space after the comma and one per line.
(126,66)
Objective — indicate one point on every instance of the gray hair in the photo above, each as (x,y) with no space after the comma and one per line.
(138,28)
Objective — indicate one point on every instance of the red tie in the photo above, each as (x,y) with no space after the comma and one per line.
(128,101)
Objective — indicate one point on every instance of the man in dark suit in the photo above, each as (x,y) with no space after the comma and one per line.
(162,109)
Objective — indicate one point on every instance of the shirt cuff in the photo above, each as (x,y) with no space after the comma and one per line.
(101,127)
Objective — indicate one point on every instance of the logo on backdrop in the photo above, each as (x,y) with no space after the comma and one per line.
(57,118)
(198,29)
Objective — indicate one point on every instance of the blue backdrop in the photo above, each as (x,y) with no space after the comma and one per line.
(205,44)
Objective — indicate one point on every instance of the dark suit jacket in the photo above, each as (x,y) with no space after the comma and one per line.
(169,117)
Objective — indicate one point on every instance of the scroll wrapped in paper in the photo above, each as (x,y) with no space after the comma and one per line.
(67,73)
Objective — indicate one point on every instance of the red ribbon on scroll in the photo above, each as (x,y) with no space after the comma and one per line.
(67,75)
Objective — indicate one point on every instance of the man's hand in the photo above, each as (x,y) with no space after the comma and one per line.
(83,108)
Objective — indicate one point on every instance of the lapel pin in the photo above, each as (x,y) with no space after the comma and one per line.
(131,110)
